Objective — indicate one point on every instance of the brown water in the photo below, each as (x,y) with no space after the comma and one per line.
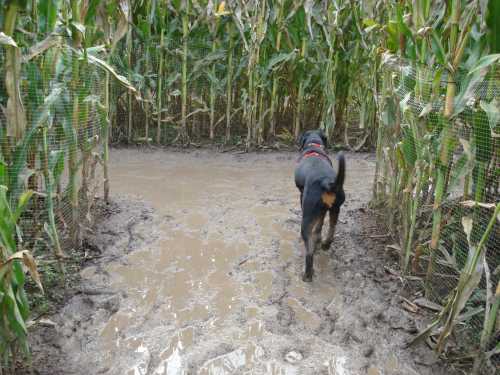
(223,214)
(211,282)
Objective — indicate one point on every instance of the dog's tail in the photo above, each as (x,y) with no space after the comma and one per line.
(330,185)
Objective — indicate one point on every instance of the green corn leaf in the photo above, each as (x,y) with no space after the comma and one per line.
(467,92)
(56,164)
(22,203)
(485,62)
(308,9)
(280,58)
(78,26)
(492,110)
(207,60)
(44,112)
(4,177)
(120,79)
(482,136)
(438,48)
(402,27)
(393,36)
(493,22)
(18,166)
(13,314)
(47,13)
(7,224)
(458,172)
(91,12)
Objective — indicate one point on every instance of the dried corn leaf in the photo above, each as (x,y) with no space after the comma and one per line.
(30,263)
(7,40)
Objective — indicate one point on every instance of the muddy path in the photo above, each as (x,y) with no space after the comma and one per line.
(200,273)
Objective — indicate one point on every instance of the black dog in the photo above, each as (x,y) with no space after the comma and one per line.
(321,190)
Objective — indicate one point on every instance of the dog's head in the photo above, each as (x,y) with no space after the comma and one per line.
(313,136)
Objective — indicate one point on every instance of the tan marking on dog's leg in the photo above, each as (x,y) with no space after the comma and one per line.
(317,232)
(315,229)
(314,239)
(334,216)
(328,199)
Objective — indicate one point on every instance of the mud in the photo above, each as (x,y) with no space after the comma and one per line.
(200,273)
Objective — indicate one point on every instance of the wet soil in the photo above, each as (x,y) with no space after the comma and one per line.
(200,273)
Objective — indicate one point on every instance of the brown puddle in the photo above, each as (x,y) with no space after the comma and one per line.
(218,289)
(185,276)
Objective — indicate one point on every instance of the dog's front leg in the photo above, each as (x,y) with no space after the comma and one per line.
(334,216)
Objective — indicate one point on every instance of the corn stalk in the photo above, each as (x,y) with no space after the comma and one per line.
(185,48)
(16,117)
(274,91)
(75,120)
(229,84)
(129,60)
(160,88)
(300,94)
(456,45)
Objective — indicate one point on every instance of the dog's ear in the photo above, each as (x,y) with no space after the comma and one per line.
(303,139)
(323,137)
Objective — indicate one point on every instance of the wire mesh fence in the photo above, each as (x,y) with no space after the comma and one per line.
(56,150)
(437,179)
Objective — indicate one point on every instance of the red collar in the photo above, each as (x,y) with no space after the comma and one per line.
(315,145)
(311,154)
(315,154)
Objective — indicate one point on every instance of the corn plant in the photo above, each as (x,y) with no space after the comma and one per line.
(437,139)
(54,110)
(13,299)
(253,64)
(469,280)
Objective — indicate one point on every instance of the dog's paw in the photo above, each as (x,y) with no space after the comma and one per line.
(326,245)
(307,278)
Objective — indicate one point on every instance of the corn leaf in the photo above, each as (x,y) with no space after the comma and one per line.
(485,62)
(7,40)
(22,203)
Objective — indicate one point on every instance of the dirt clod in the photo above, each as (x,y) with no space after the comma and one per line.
(368,351)
(293,357)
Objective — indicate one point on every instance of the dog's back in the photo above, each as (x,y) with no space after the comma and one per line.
(313,170)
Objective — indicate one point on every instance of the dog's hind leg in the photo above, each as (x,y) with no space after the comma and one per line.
(311,234)
(306,233)
(317,231)
(334,216)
